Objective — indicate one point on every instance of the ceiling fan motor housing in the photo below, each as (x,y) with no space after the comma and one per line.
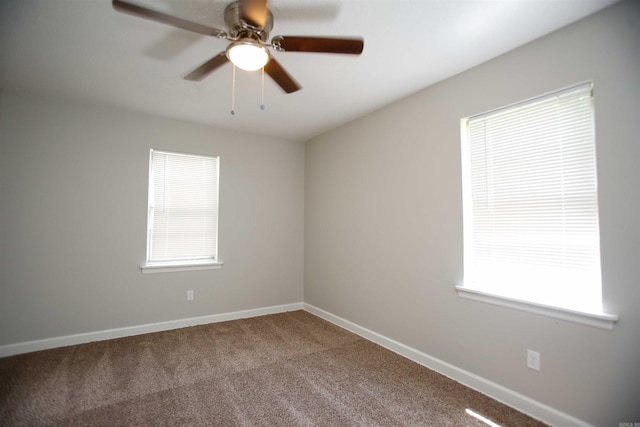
(238,28)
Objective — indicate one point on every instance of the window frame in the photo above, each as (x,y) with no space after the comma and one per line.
(154,266)
(595,318)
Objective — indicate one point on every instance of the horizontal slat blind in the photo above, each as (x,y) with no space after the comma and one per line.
(183,207)
(533,200)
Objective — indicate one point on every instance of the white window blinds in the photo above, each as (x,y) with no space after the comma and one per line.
(531,208)
(183,207)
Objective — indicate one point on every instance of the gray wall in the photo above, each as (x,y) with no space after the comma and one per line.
(383,224)
(73,192)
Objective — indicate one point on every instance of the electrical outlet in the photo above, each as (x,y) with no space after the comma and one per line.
(533,360)
(189,295)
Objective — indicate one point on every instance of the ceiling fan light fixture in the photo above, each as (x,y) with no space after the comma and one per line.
(248,55)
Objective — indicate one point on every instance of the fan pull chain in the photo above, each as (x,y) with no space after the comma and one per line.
(233,92)
(262,99)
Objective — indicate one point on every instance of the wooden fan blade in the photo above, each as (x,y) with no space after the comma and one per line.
(318,44)
(208,67)
(163,18)
(280,76)
(254,12)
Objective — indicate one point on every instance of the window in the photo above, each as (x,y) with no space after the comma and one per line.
(183,212)
(531,204)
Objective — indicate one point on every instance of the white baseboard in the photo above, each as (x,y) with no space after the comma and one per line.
(502,394)
(44,344)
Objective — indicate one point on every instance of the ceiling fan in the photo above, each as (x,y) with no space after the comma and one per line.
(249,23)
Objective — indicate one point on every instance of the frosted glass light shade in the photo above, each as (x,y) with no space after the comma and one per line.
(247,55)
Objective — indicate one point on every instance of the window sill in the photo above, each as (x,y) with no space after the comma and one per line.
(169,267)
(598,320)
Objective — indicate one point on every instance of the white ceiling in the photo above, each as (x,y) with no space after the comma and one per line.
(83,49)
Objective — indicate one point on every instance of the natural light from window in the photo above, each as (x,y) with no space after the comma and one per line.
(531,228)
(183,211)
(485,420)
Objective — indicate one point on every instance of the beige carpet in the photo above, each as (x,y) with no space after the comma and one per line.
(289,369)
